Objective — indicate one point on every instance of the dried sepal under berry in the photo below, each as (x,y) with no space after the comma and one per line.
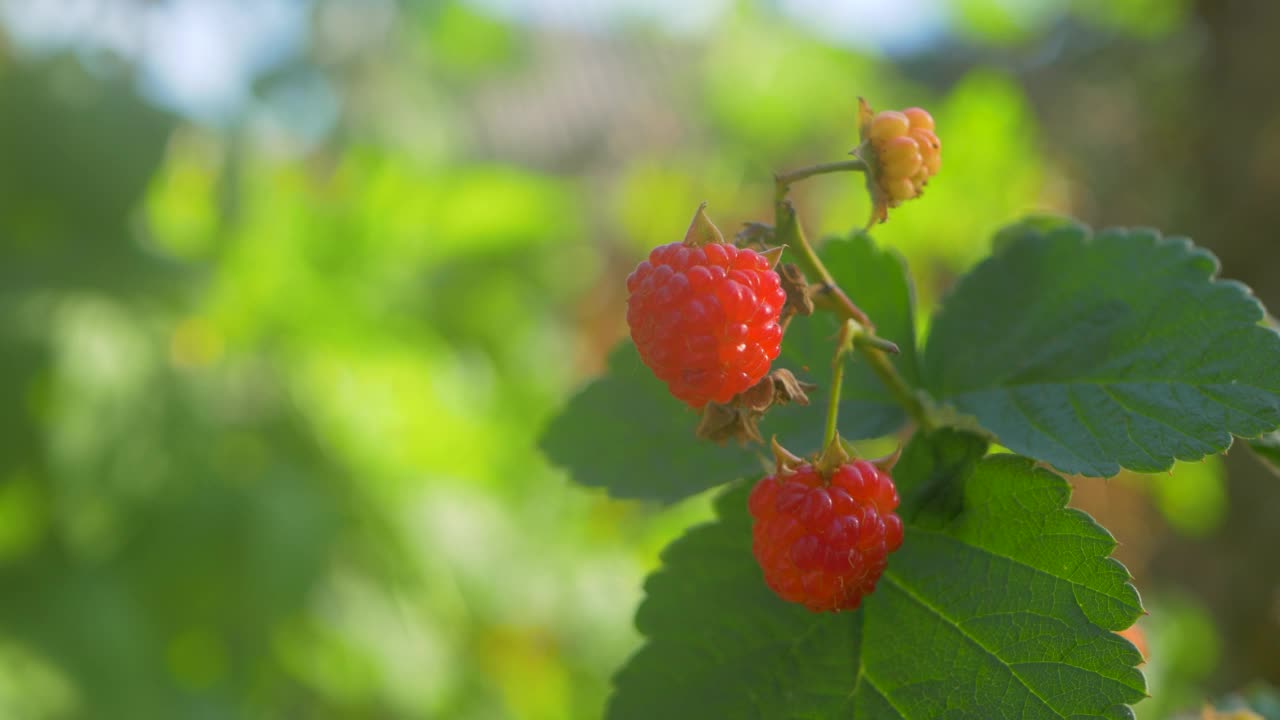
(823,541)
(705,318)
(740,419)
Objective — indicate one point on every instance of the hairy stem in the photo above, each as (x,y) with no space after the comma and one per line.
(789,232)
(898,386)
(783,181)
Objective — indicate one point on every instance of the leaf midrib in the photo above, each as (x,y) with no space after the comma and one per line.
(1039,571)
(906,590)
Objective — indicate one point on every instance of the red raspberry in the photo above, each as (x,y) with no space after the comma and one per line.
(705,319)
(822,541)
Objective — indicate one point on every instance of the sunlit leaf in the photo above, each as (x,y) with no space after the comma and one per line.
(1097,352)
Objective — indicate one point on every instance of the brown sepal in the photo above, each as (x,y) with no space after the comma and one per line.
(739,419)
(880,200)
(755,235)
(865,116)
(720,423)
(784,461)
(796,286)
(789,389)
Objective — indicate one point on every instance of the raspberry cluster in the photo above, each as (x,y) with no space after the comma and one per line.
(907,152)
(705,318)
(824,541)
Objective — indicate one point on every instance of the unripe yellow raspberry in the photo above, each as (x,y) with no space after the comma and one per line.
(900,189)
(901,152)
(899,158)
(933,163)
(888,125)
(926,139)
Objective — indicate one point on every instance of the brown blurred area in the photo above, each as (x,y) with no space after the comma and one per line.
(1186,138)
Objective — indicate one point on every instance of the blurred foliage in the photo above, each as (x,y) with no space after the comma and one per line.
(1261,700)
(269,386)
(1184,649)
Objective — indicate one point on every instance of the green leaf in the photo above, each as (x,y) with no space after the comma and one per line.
(1093,353)
(1268,448)
(1002,604)
(624,432)
(1032,225)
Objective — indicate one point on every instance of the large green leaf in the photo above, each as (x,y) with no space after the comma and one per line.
(624,432)
(1096,352)
(1000,604)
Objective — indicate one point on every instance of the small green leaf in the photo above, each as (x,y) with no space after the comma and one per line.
(624,432)
(1003,606)
(1093,353)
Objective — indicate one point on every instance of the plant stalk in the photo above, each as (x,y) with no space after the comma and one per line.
(783,181)
(898,386)
(837,381)
(789,232)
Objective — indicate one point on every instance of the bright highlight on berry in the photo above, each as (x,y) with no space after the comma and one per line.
(824,542)
(704,316)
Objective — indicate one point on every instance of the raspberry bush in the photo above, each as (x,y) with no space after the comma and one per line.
(946,581)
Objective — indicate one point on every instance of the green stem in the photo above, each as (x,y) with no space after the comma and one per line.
(788,232)
(783,182)
(837,381)
(898,386)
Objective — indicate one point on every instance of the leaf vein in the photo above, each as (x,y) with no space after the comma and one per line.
(1200,444)
(969,636)
(1032,568)
(1018,405)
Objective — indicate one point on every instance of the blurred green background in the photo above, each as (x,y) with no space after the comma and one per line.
(288,289)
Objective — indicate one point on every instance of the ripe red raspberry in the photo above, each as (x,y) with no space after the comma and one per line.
(705,318)
(822,541)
